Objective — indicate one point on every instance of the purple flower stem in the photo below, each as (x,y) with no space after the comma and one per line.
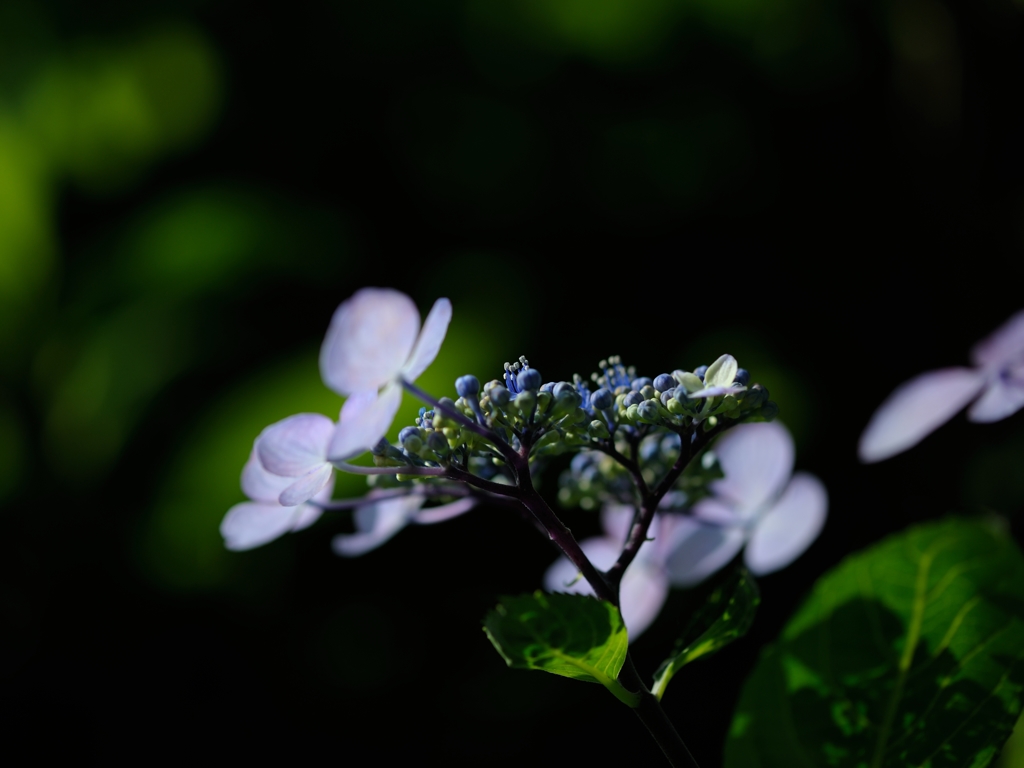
(689,449)
(406,470)
(504,448)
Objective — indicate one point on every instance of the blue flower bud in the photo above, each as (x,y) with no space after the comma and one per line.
(664,382)
(742,376)
(529,379)
(602,399)
(560,387)
(680,394)
(467,386)
(699,371)
(640,383)
(665,397)
(648,412)
(632,398)
(437,443)
(407,433)
(499,395)
(648,392)
(548,386)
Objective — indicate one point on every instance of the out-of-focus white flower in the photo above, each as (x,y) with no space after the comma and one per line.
(379,521)
(264,518)
(916,408)
(759,503)
(373,343)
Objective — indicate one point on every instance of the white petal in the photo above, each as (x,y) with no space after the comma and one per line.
(376,523)
(260,485)
(369,340)
(716,392)
(444,512)
(916,409)
(789,527)
(699,550)
(757,460)
(1005,345)
(429,343)
(359,429)
(1001,398)
(617,519)
(642,593)
(296,445)
(721,373)
(307,486)
(251,524)
(716,512)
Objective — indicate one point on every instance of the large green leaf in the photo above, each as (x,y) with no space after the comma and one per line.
(570,635)
(726,616)
(907,654)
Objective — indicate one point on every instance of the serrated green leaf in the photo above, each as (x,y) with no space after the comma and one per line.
(726,616)
(570,635)
(910,653)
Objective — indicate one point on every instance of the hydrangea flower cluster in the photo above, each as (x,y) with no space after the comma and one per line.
(640,455)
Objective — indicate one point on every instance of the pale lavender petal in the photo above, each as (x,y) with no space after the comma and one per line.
(715,392)
(617,519)
(260,485)
(429,343)
(716,512)
(444,512)
(369,340)
(789,527)
(699,550)
(359,429)
(757,460)
(376,523)
(1001,398)
(250,524)
(1005,345)
(307,486)
(563,576)
(916,409)
(643,591)
(294,446)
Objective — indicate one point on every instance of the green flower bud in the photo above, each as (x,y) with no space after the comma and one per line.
(437,443)
(647,412)
(648,392)
(543,401)
(525,402)
(769,411)
(598,429)
(632,412)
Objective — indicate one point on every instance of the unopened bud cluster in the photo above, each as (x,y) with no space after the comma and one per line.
(615,411)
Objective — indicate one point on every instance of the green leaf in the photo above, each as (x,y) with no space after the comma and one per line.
(570,635)
(726,616)
(910,653)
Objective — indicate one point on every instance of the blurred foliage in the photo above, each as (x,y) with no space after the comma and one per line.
(97,114)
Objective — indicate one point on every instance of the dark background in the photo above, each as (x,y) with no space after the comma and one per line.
(832,191)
